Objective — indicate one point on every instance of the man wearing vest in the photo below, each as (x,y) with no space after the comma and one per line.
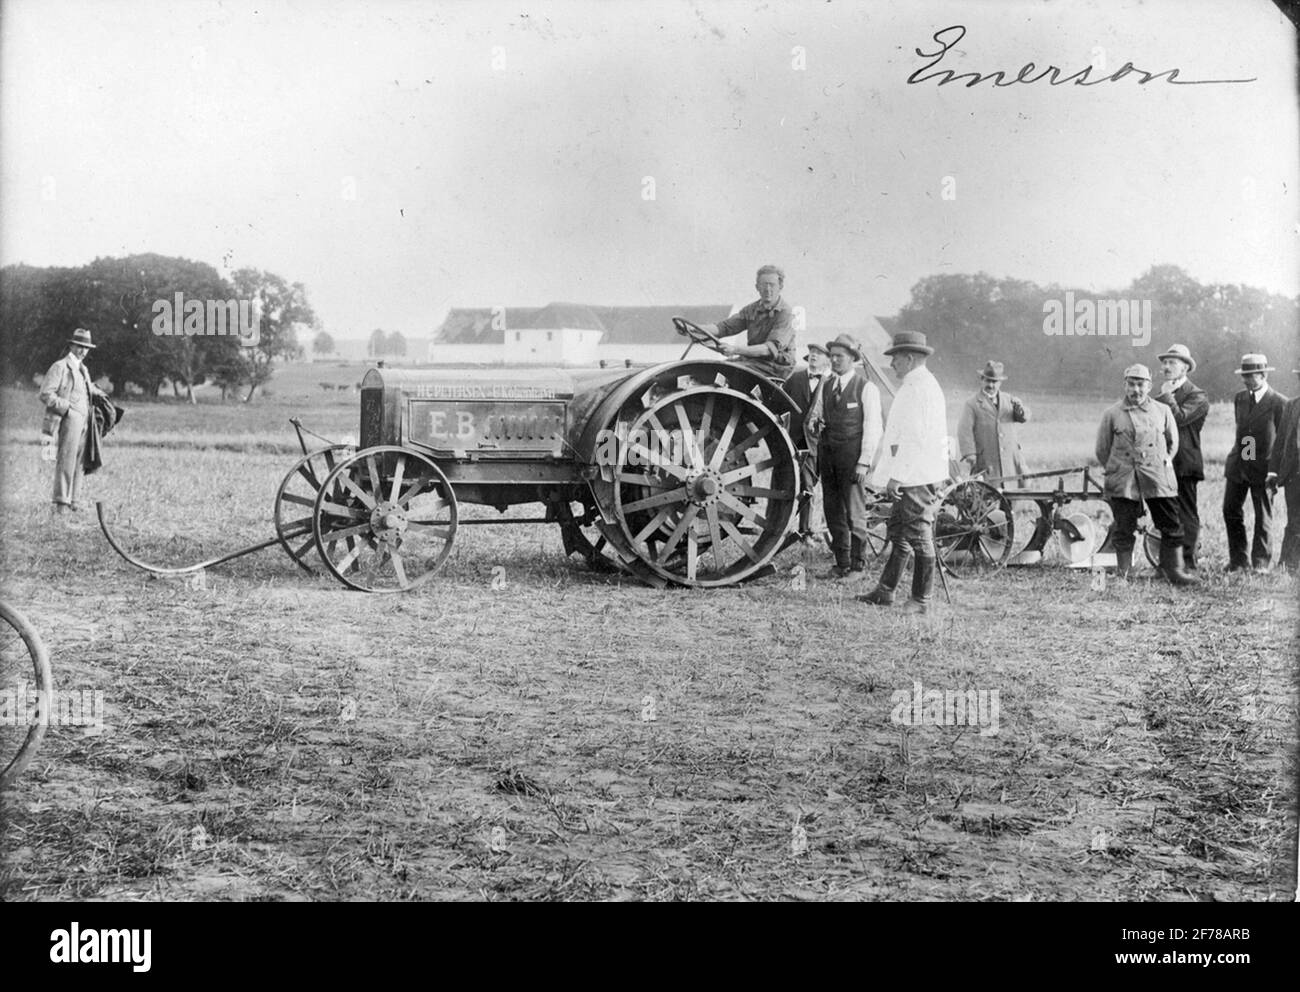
(911,464)
(802,387)
(1258,411)
(66,393)
(1284,471)
(1190,407)
(844,423)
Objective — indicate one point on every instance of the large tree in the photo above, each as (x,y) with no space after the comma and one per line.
(282,309)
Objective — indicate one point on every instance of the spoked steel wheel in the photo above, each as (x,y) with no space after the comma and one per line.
(24,674)
(704,487)
(296,499)
(975,529)
(384,520)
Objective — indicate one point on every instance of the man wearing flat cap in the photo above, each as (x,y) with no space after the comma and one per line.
(844,422)
(1136,444)
(1284,471)
(911,464)
(801,387)
(1258,410)
(1190,406)
(67,393)
(988,432)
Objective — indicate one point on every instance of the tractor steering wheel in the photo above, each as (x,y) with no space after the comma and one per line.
(696,333)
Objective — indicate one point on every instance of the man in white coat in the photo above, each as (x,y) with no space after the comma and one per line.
(911,464)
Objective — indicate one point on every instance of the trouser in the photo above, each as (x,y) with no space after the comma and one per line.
(844,503)
(1234,520)
(911,520)
(67,462)
(911,534)
(1189,516)
(1164,517)
(807,485)
(1290,554)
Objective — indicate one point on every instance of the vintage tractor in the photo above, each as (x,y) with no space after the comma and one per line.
(681,473)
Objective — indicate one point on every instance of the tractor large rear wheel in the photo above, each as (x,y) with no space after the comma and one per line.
(703,486)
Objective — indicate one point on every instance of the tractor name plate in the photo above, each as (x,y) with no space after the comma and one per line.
(505,425)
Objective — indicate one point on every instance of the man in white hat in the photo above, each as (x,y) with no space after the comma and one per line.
(844,423)
(911,464)
(1284,471)
(1258,410)
(1190,407)
(988,431)
(1136,443)
(66,393)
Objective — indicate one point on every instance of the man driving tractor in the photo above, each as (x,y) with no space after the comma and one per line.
(768,323)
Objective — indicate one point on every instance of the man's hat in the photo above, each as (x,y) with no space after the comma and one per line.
(81,336)
(1180,351)
(1254,363)
(1137,372)
(909,341)
(848,343)
(814,346)
(992,370)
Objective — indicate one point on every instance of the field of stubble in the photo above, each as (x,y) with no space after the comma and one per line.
(572,735)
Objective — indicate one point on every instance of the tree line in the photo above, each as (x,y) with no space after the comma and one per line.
(973,318)
(129,306)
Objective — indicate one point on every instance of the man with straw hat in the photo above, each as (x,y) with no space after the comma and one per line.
(1258,411)
(1190,406)
(1284,471)
(911,464)
(844,423)
(66,393)
(1136,443)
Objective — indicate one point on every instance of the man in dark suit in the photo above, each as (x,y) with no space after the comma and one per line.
(1258,409)
(1190,407)
(1284,471)
(844,421)
(801,387)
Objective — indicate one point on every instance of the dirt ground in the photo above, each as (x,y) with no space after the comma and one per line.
(523,728)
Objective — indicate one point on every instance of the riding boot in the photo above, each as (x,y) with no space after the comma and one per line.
(883,594)
(922,584)
(1171,567)
(1123,563)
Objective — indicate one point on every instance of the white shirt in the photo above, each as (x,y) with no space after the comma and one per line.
(870,413)
(914,448)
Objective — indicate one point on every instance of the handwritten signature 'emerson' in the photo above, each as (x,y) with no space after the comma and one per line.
(1080,78)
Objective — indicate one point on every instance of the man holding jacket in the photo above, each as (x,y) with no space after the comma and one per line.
(67,393)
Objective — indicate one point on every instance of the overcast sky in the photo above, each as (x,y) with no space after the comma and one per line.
(399,158)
